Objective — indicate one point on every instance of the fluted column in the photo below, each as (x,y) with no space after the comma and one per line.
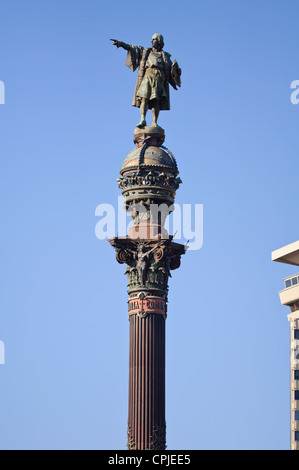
(146,421)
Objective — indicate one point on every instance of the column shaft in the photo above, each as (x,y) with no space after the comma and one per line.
(146,421)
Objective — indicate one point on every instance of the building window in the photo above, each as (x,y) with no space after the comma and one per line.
(297,436)
(296,334)
(296,415)
(294,281)
(297,395)
(296,375)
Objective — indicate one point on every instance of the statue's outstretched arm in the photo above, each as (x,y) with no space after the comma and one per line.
(120,44)
(134,53)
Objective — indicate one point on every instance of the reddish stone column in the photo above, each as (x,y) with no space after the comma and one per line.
(146,421)
(148,178)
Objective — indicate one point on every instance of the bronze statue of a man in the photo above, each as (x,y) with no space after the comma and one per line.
(156,72)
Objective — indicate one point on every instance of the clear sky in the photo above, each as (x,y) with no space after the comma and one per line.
(65,130)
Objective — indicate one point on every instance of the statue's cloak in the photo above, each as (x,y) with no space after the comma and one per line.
(137,57)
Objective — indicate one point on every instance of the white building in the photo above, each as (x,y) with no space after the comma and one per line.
(290,296)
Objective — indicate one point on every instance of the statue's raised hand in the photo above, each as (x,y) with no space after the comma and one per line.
(116,43)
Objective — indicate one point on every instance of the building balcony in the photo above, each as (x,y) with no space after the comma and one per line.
(295,445)
(295,426)
(290,295)
(295,405)
(295,385)
(288,254)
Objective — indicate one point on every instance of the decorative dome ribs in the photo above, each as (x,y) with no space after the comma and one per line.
(149,174)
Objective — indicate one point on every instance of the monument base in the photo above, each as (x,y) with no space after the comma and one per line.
(152,135)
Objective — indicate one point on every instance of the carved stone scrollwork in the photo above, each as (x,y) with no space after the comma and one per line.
(149,263)
(148,179)
(123,256)
(175,262)
(159,254)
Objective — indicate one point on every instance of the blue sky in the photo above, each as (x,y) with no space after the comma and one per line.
(65,130)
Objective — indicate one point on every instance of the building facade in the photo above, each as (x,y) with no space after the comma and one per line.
(289,296)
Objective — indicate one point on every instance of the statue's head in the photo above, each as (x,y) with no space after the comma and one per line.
(158,41)
(141,248)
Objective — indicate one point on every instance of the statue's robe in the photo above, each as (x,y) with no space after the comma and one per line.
(137,57)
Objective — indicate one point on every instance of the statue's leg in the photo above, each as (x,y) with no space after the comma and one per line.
(143,111)
(156,112)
